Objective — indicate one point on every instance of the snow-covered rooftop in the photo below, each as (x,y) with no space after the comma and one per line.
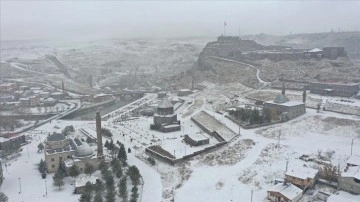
(289,190)
(288,104)
(197,136)
(214,125)
(354,160)
(302,172)
(315,50)
(81,181)
(353,172)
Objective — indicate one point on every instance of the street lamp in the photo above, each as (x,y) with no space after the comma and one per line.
(19,184)
(45,188)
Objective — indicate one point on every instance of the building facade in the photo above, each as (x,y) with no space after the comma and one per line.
(334,89)
(283,109)
(284,192)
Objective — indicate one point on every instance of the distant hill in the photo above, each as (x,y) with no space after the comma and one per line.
(349,40)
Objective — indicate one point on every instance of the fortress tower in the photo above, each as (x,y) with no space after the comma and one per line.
(100,153)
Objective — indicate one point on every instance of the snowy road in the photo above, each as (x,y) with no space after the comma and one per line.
(152,184)
(252,66)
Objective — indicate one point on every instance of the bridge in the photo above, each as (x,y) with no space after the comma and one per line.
(130,93)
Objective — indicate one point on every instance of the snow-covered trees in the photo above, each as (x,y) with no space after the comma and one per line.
(68,129)
(122,154)
(58,180)
(3,197)
(42,168)
(74,171)
(134,175)
(106,132)
(123,189)
(89,169)
(40,147)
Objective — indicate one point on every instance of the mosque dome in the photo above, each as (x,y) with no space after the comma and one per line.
(56,137)
(83,150)
(281,99)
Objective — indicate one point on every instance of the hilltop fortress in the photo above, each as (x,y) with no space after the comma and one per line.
(233,47)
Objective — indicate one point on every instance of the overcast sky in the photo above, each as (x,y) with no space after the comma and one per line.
(21,20)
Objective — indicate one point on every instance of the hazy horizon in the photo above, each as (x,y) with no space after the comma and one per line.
(82,20)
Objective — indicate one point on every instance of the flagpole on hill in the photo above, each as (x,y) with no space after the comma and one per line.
(224,28)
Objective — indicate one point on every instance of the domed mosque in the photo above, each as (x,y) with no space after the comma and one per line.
(165,120)
(61,150)
(283,109)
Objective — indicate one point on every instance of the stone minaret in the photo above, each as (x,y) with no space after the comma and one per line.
(62,85)
(304,95)
(283,89)
(100,153)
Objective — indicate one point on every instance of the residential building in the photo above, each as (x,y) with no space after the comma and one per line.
(353,161)
(302,177)
(334,88)
(284,192)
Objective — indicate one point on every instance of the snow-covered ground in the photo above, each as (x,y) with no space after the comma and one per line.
(250,162)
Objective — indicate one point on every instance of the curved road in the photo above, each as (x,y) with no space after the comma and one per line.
(252,66)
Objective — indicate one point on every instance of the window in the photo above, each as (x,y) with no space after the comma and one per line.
(53,166)
(52,159)
(60,158)
(68,157)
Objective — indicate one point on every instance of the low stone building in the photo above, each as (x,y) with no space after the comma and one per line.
(302,177)
(334,88)
(165,120)
(81,181)
(284,192)
(350,180)
(196,139)
(284,109)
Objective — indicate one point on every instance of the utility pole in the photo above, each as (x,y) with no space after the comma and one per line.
(287,163)
(352,143)
(239,128)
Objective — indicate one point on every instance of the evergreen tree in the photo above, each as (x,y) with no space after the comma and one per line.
(40,147)
(98,197)
(106,145)
(122,154)
(74,171)
(61,170)
(134,194)
(99,186)
(134,175)
(58,180)
(110,195)
(103,165)
(123,189)
(89,169)
(42,166)
(85,197)
(3,197)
